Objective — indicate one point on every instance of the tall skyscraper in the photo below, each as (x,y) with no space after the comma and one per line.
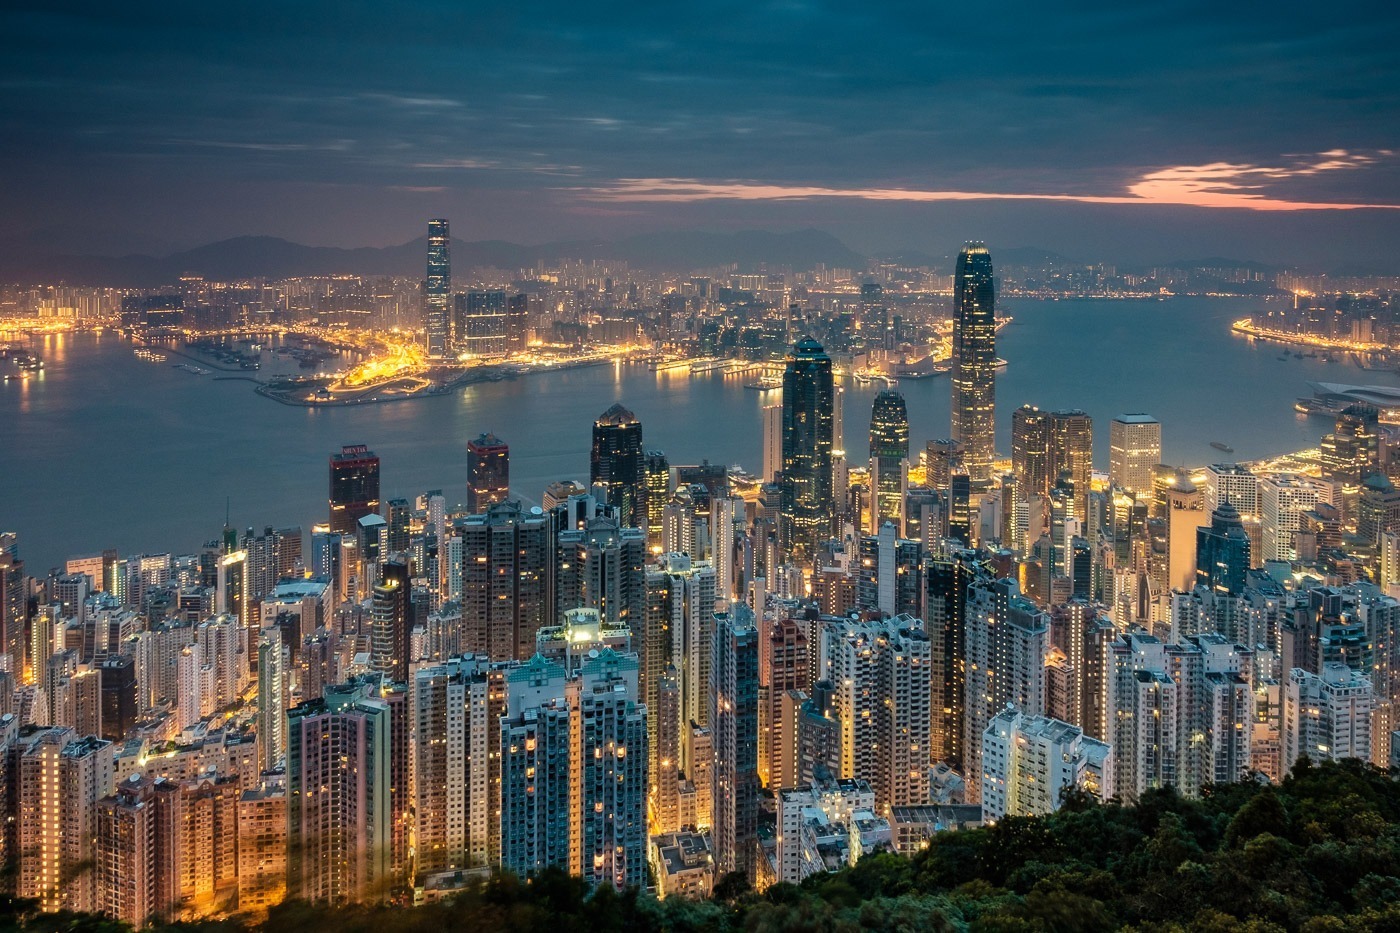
(618,464)
(1134,450)
(1072,455)
(889,459)
(1223,552)
(808,423)
(481,324)
(1030,451)
(974,360)
(658,482)
(488,472)
(354,488)
(507,579)
(437,289)
(734,726)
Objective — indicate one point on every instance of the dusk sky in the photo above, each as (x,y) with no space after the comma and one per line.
(1125,132)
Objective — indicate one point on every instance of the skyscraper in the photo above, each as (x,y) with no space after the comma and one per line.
(1030,451)
(1072,455)
(974,360)
(354,487)
(437,289)
(481,324)
(808,425)
(1222,552)
(889,459)
(1134,450)
(618,463)
(507,579)
(488,472)
(734,726)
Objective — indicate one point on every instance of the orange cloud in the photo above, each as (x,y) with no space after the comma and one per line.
(1215,185)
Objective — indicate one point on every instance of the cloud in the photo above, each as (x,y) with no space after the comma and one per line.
(1213,185)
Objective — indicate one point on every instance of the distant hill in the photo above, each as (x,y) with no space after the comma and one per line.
(275,258)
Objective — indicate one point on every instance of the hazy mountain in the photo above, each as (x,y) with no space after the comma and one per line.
(275,258)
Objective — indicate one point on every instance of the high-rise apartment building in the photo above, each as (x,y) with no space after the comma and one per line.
(354,488)
(1134,450)
(1283,499)
(974,360)
(808,420)
(1326,716)
(60,779)
(733,721)
(618,463)
(437,290)
(488,472)
(1030,762)
(507,579)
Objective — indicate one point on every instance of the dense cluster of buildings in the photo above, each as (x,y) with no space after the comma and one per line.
(674,672)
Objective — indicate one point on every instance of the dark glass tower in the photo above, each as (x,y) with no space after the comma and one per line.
(488,472)
(437,288)
(808,427)
(974,361)
(619,463)
(481,324)
(1222,552)
(354,488)
(889,455)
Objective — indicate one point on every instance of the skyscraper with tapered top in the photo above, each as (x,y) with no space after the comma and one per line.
(808,440)
(974,360)
(437,288)
(619,464)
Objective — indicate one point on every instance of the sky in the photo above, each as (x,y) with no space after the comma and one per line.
(1105,131)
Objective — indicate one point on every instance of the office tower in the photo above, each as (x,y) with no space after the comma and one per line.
(457,710)
(1029,763)
(339,813)
(1223,552)
(618,463)
(1326,716)
(14,606)
(880,675)
(1232,483)
(1283,499)
(262,846)
(772,442)
(354,488)
(657,470)
(1377,509)
(733,721)
(1004,648)
(391,622)
(941,459)
(1071,455)
(481,324)
(556,721)
(974,360)
(1180,715)
(782,669)
(507,580)
(603,567)
(889,578)
(889,459)
(488,472)
(1184,515)
(437,290)
(1351,453)
(960,510)
(119,701)
(60,779)
(1134,450)
(518,322)
(946,580)
(808,441)
(1030,451)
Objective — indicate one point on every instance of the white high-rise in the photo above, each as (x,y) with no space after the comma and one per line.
(1030,762)
(1327,716)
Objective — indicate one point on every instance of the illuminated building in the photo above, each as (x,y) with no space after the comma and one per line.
(507,575)
(1326,716)
(437,293)
(1377,509)
(1029,763)
(1071,457)
(880,675)
(772,442)
(974,361)
(1005,642)
(658,482)
(681,601)
(1134,450)
(274,690)
(262,846)
(60,778)
(808,424)
(481,324)
(946,581)
(733,722)
(889,459)
(14,605)
(1030,451)
(889,578)
(1351,453)
(603,567)
(618,465)
(1232,483)
(1223,552)
(339,815)
(354,488)
(488,472)
(1282,501)
(782,667)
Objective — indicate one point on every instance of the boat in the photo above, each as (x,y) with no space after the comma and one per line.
(766,384)
(1224,448)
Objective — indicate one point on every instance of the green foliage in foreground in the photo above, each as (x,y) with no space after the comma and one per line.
(1319,854)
